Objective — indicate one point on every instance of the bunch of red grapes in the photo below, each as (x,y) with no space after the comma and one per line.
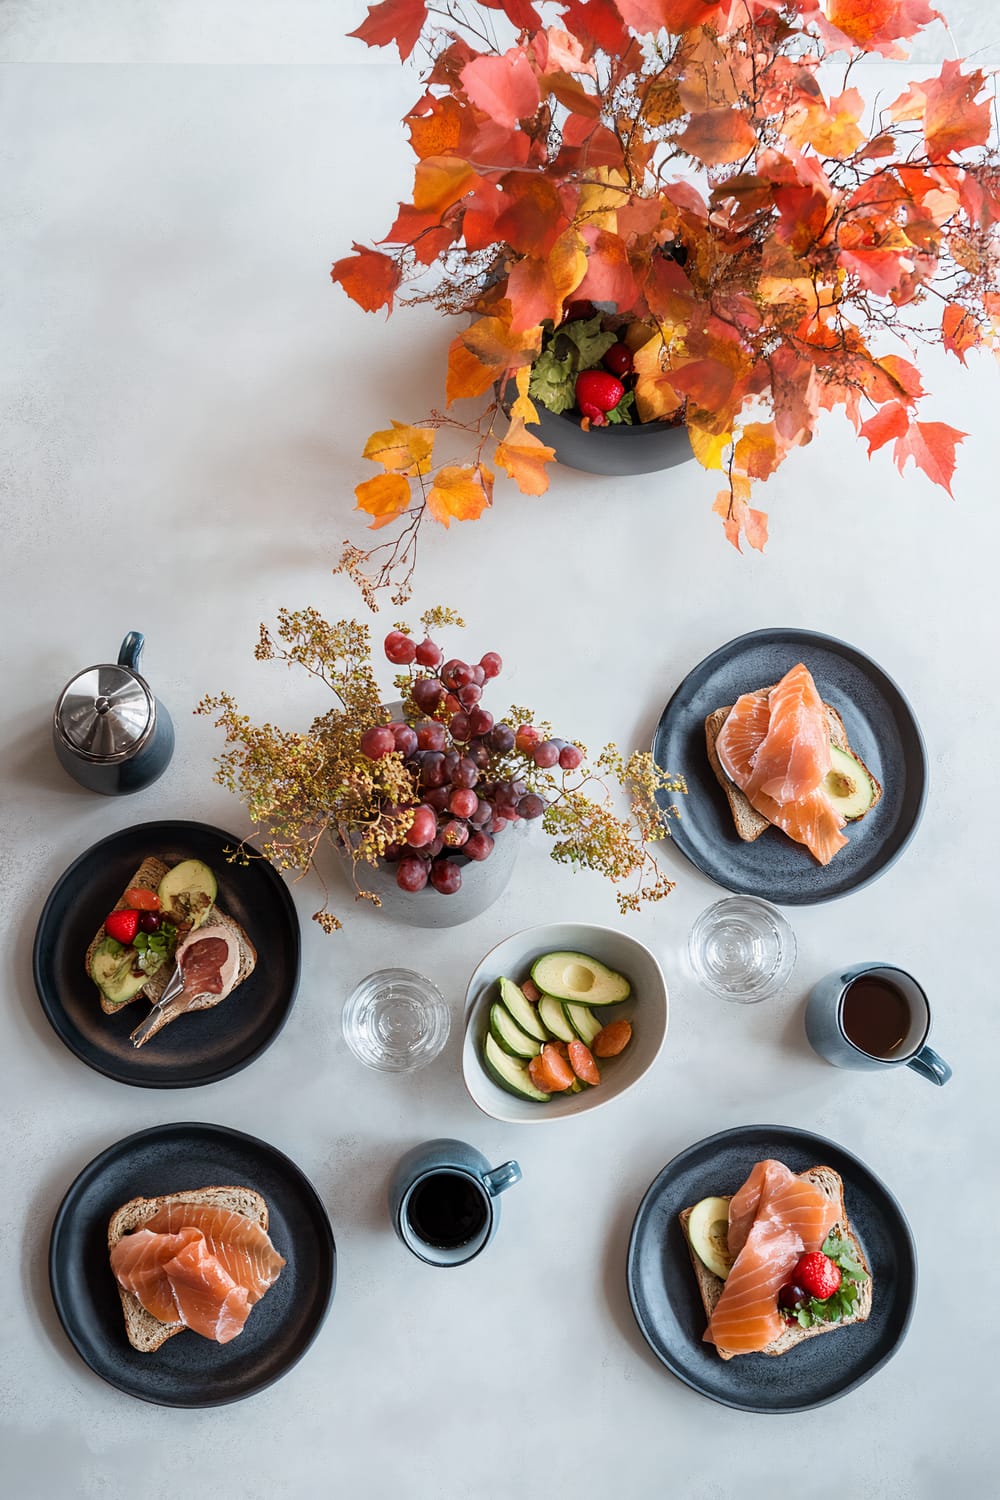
(454,757)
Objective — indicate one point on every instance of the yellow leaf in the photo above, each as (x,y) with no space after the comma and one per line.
(523,408)
(385,497)
(406,450)
(655,397)
(598,205)
(708,446)
(567,262)
(460,494)
(523,457)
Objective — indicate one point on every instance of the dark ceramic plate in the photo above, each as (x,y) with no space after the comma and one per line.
(880,726)
(668,1308)
(189,1370)
(196,1049)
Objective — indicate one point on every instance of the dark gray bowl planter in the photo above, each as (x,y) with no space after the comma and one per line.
(642,448)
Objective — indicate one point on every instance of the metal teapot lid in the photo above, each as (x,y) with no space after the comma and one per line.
(106,712)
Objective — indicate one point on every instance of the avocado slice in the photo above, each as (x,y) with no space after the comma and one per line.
(510,1073)
(187,893)
(111,969)
(577,976)
(583,1021)
(848,785)
(524,1013)
(553,1018)
(708,1231)
(508,1034)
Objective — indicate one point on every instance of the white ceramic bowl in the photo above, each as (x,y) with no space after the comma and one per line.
(646,1008)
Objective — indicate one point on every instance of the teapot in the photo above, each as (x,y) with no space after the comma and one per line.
(109,732)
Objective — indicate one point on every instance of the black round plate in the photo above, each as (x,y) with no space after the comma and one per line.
(668,1307)
(880,726)
(189,1370)
(196,1049)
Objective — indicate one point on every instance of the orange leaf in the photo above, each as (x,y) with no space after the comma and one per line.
(505,87)
(460,494)
(831,129)
(609,276)
(406,450)
(931,445)
(890,421)
(952,119)
(532,294)
(532,214)
(440,181)
(385,497)
(904,375)
(717,136)
(484,353)
(523,407)
(960,330)
(655,396)
(757,453)
(398,21)
(738,517)
(878,270)
(439,131)
(874,25)
(559,52)
(598,24)
(368,277)
(523,457)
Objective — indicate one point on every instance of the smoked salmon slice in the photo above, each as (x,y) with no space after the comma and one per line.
(781,741)
(773,1219)
(138,1262)
(238,1243)
(208,1300)
(198,1265)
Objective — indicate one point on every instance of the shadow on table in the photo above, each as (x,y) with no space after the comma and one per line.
(30,761)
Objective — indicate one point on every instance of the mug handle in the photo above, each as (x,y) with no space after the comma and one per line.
(930,1066)
(128,656)
(501,1177)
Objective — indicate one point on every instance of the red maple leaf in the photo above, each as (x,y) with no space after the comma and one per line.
(399,21)
(505,88)
(368,277)
(953,121)
(931,445)
(596,23)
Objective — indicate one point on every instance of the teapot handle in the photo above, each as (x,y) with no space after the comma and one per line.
(132,645)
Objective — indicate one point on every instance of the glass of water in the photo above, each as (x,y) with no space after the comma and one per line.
(742,949)
(395,1020)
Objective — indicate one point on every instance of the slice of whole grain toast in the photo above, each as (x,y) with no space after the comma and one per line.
(711,1286)
(145,1332)
(750,824)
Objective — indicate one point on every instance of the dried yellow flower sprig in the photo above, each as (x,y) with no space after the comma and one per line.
(430,791)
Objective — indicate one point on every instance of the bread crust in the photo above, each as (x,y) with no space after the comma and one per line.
(144,1332)
(750,824)
(711,1286)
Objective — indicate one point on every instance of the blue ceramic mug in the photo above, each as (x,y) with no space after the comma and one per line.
(443,1201)
(873,1016)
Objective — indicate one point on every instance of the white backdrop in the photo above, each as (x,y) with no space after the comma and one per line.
(184,399)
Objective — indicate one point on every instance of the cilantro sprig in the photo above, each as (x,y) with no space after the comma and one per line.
(841,1304)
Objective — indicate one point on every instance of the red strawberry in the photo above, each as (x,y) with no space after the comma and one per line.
(618,359)
(122,925)
(597,392)
(818,1275)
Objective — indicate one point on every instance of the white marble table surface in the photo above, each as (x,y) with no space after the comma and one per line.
(184,398)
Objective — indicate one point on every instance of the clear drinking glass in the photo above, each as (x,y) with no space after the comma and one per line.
(742,949)
(396,1020)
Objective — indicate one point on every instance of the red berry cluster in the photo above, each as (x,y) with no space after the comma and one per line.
(457,757)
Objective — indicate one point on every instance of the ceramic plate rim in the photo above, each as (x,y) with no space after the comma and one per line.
(869,666)
(734,1135)
(90,1173)
(54,1010)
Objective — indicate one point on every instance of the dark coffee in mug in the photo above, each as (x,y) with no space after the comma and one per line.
(876,1015)
(447,1209)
